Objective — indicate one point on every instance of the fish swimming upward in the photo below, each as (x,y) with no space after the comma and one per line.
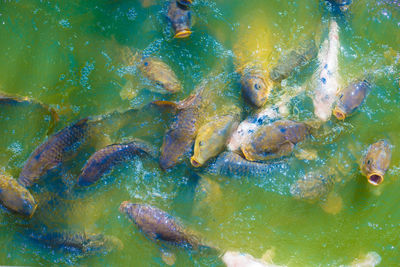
(327,80)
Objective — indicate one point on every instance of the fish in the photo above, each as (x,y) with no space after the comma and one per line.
(58,148)
(184,127)
(376,162)
(298,57)
(255,86)
(160,74)
(159,225)
(212,138)
(326,87)
(314,186)
(343,5)
(274,140)
(180,17)
(81,242)
(351,98)
(232,164)
(15,197)
(103,160)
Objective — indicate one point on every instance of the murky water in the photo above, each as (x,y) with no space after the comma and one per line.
(71,55)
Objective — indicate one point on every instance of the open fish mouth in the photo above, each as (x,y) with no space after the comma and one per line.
(194,162)
(340,115)
(183,34)
(375,179)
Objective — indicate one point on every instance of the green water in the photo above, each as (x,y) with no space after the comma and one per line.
(69,55)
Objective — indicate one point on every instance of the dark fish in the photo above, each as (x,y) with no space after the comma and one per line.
(376,162)
(295,58)
(255,87)
(230,163)
(274,140)
(105,159)
(183,130)
(15,197)
(81,242)
(180,17)
(313,186)
(350,99)
(158,224)
(55,150)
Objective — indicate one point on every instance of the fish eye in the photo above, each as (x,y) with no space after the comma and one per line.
(257,86)
(146,63)
(201,143)
(369,161)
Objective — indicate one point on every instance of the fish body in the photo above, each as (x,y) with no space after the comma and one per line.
(376,162)
(313,186)
(327,81)
(212,138)
(180,17)
(183,130)
(295,58)
(15,197)
(55,150)
(230,163)
(84,243)
(105,159)
(159,73)
(157,224)
(350,99)
(274,140)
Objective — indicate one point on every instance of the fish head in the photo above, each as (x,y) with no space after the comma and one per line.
(377,161)
(200,150)
(161,74)
(255,89)
(181,18)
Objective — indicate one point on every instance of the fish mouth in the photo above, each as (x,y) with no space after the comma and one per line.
(182,34)
(195,163)
(375,179)
(340,115)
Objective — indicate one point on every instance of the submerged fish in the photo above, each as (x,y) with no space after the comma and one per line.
(159,73)
(55,150)
(105,159)
(158,224)
(83,243)
(274,140)
(350,99)
(295,58)
(313,186)
(183,130)
(15,197)
(180,17)
(327,81)
(212,138)
(229,163)
(376,162)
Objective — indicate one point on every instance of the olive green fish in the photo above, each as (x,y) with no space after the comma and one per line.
(376,162)
(105,159)
(16,197)
(274,140)
(313,186)
(350,99)
(55,150)
(180,16)
(212,138)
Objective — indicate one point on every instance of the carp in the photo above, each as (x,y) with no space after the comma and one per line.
(327,86)
(54,151)
(229,163)
(295,58)
(212,138)
(159,73)
(159,225)
(350,99)
(313,186)
(376,162)
(274,140)
(81,242)
(180,17)
(183,130)
(105,159)
(15,197)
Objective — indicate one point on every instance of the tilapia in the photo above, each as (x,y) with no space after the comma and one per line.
(313,186)
(298,57)
(159,225)
(81,242)
(274,140)
(376,162)
(58,148)
(326,87)
(229,163)
(180,16)
(105,159)
(351,98)
(212,138)
(16,197)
